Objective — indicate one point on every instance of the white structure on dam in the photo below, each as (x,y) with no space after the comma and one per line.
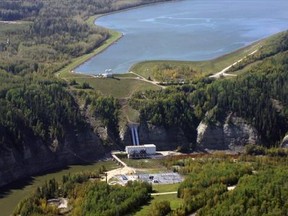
(140,151)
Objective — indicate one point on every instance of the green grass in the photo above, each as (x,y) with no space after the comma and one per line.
(125,75)
(91,20)
(162,188)
(175,203)
(154,164)
(202,67)
(119,88)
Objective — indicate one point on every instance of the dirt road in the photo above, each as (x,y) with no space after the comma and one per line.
(222,72)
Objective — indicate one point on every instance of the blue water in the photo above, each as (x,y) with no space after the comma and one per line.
(186,30)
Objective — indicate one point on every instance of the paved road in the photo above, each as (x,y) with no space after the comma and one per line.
(120,171)
(120,161)
(164,193)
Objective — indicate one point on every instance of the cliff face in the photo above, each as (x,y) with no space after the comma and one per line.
(233,135)
(36,156)
(163,138)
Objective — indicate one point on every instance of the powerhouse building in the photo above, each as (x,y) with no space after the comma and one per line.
(140,151)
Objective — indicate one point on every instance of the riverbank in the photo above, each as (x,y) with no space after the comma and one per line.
(13,193)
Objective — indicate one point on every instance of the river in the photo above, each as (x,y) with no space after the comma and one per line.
(186,30)
(11,195)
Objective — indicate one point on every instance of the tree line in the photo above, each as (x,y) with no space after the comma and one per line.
(56,32)
(87,196)
(259,96)
(222,184)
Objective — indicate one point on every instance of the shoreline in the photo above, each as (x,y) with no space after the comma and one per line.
(114,37)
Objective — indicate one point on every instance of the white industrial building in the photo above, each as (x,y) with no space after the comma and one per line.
(140,151)
(107,75)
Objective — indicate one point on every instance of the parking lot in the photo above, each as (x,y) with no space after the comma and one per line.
(155,178)
(161,178)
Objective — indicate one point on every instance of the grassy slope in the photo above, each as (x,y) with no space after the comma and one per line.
(203,67)
(267,47)
(151,165)
(162,188)
(122,86)
(116,87)
(175,202)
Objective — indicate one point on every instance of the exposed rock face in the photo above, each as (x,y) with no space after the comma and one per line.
(37,156)
(163,138)
(234,134)
(284,143)
(125,135)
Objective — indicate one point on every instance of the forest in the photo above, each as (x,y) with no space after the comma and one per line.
(53,41)
(52,32)
(85,193)
(48,35)
(259,96)
(215,184)
(37,106)
(232,185)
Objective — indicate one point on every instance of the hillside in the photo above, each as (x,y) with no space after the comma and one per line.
(59,120)
(46,122)
(50,117)
(257,96)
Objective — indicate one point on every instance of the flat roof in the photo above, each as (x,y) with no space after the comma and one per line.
(149,145)
(141,146)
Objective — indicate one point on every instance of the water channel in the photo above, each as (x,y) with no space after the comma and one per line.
(186,30)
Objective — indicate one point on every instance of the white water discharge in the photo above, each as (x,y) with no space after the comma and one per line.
(134,134)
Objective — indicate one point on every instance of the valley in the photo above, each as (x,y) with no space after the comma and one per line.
(55,122)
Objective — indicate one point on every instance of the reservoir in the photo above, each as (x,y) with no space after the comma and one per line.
(189,30)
